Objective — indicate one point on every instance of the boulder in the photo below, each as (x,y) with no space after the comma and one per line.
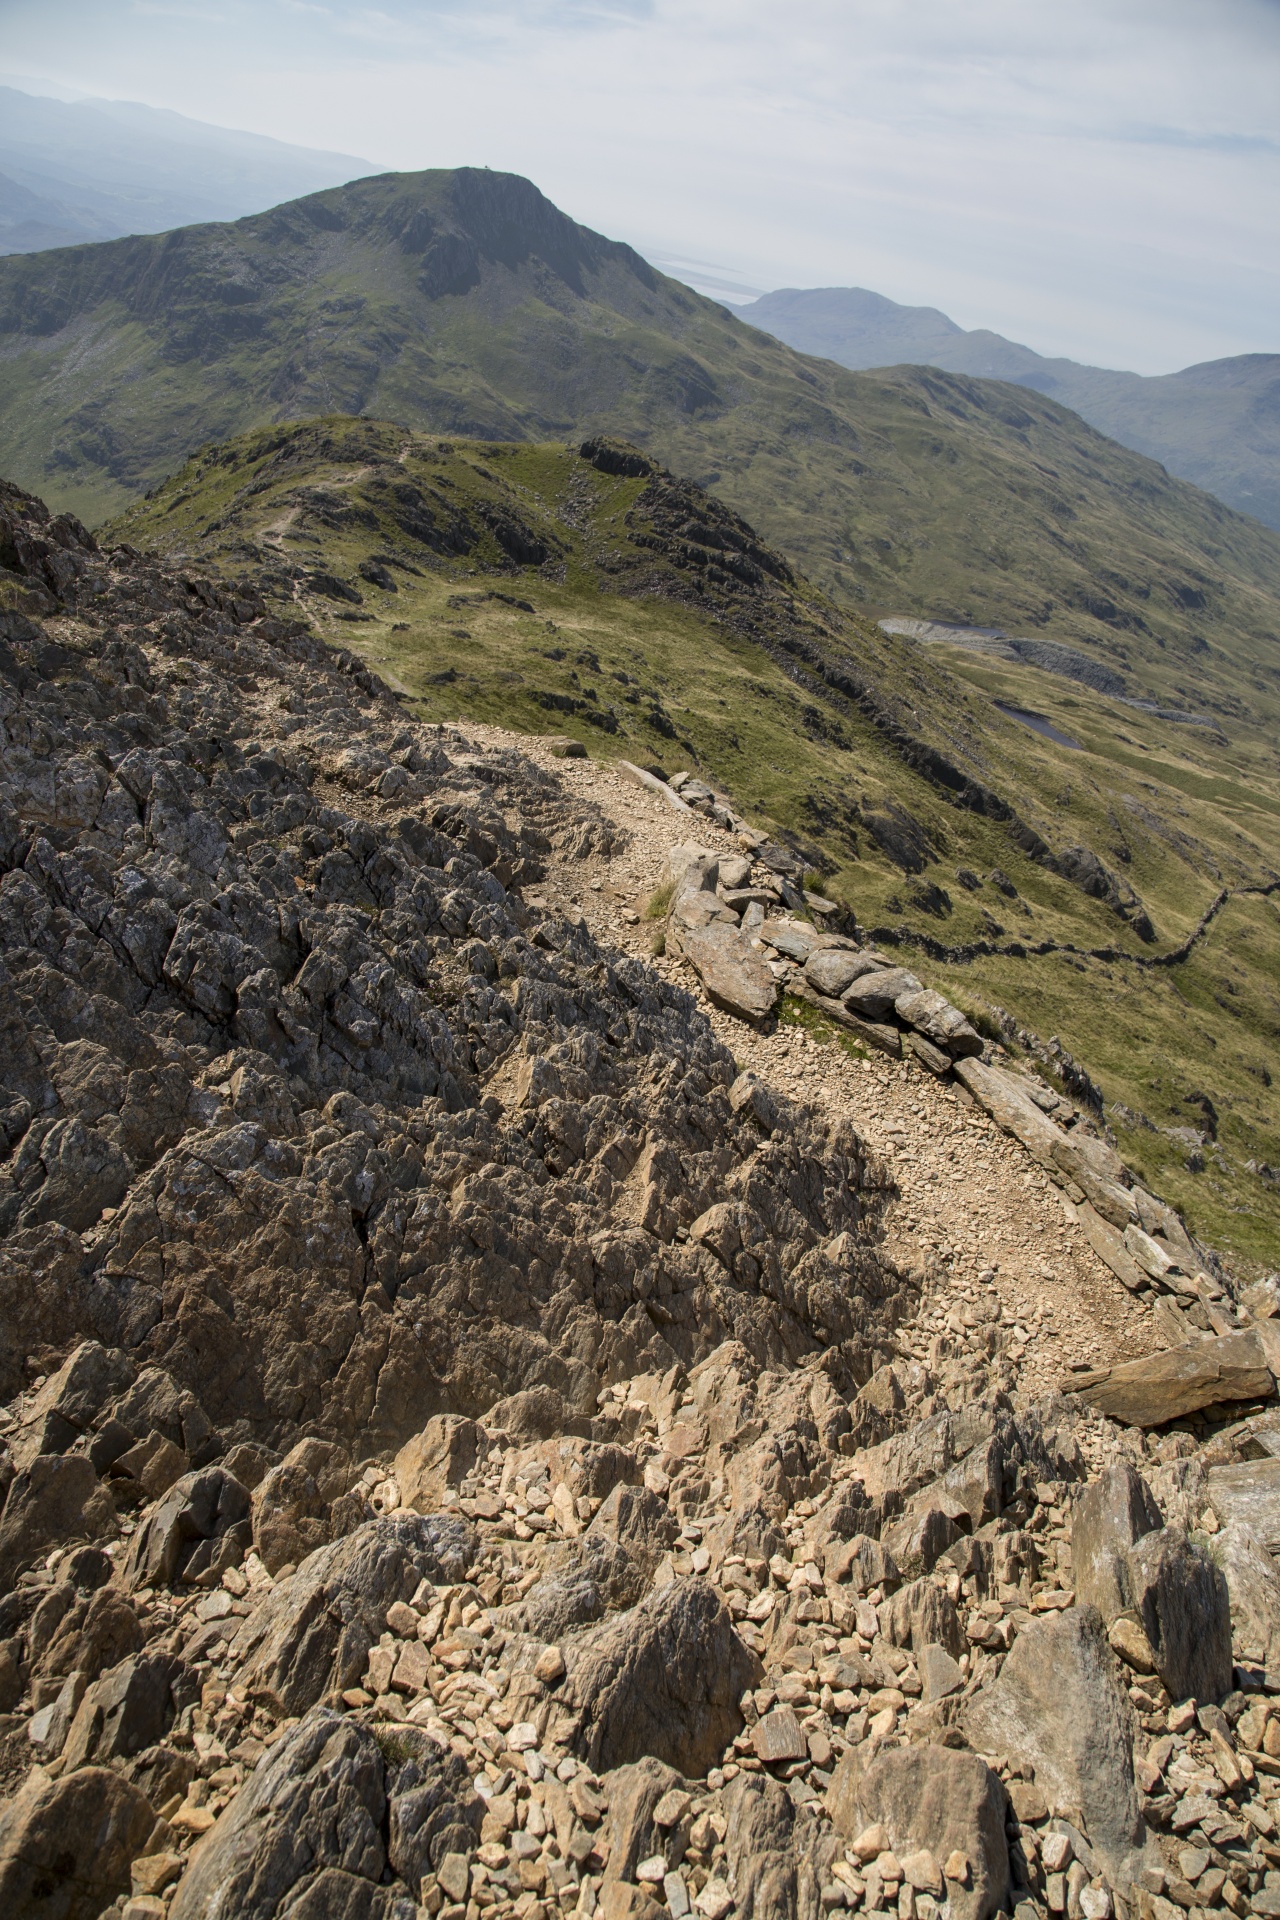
(66,1845)
(437,1460)
(1250,1495)
(304,1835)
(535,1413)
(1107,1241)
(933,1015)
(312,1633)
(129,1709)
(777,1860)
(433,1806)
(1111,1513)
(581,1581)
(876,994)
(933,1798)
(1059,1706)
(71,1400)
(639,1521)
(833,970)
(631,1832)
(921,1614)
(98,1630)
(55,1500)
(1253,1586)
(293,1506)
(1098,1169)
(734,976)
(664,1678)
(184,1534)
(1165,1386)
(1182,1599)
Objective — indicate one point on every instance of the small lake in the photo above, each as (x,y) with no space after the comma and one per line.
(1040,724)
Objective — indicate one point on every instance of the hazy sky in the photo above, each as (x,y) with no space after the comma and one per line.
(1100,179)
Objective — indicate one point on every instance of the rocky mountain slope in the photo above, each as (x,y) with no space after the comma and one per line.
(465,303)
(487,1433)
(1214,424)
(1110,885)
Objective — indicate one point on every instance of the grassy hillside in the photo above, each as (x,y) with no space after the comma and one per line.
(465,303)
(1217,425)
(551,590)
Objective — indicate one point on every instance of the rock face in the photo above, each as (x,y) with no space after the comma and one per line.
(1110,1516)
(934,1798)
(66,1845)
(307,1835)
(1059,1707)
(664,1679)
(314,1631)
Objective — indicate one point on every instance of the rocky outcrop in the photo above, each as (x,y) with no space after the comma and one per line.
(463,1445)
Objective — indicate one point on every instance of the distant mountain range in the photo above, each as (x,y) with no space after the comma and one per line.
(464,302)
(1217,424)
(96,169)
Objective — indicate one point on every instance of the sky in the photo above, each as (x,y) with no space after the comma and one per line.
(1100,180)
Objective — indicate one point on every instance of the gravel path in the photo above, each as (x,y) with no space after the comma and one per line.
(997,1241)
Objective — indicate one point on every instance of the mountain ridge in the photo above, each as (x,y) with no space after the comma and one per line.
(466,302)
(1228,445)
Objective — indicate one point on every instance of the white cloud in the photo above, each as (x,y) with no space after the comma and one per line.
(1099,180)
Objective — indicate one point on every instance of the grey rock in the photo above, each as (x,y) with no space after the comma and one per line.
(314,1809)
(663,1679)
(832,970)
(293,1506)
(198,1510)
(95,1631)
(1253,1585)
(637,1520)
(1164,1386)
(312,1633)
(433,1807)
(1182,1599)
(933,1015)
(920,1615)
(66,1845)
(935,1798)
(777,1862)
(55,1500)
(438,1459)
(71,1399)
(1113,1512)
(630,1830)
(875,994)
(1058,1705)
(582,1580)
(535,1413)
(940,1674)
(1249,1494)
(129,1709)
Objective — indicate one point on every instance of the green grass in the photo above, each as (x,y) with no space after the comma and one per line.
(615,647)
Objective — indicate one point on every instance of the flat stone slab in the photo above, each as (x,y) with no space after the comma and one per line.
(1164,1386)
(1249,1493)
(735,978)
(1005,1098)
